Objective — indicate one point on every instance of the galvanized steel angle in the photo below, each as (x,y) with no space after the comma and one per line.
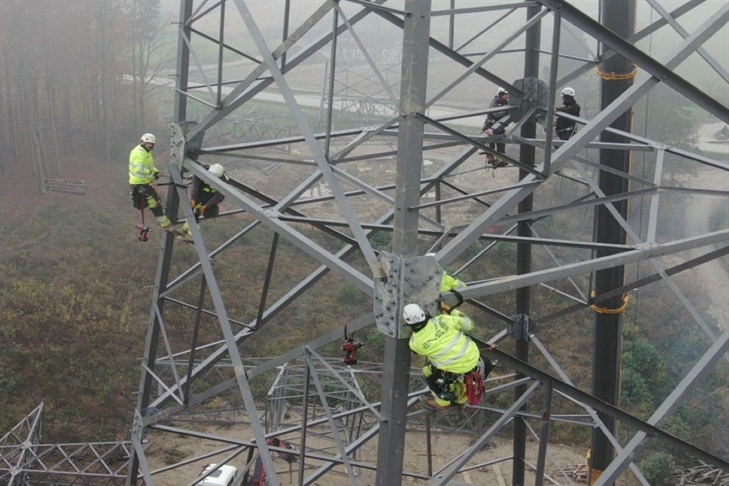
(336,378)
(330,417)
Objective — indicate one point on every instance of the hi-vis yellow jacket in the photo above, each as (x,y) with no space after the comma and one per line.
(141,166)
(444,342)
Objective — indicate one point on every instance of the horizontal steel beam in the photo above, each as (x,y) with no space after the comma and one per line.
(656,69)
(599,405)
(642,252)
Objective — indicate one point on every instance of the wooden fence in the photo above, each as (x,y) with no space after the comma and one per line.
(69,187)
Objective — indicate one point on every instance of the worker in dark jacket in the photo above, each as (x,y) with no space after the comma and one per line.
(204,198)
(501,99)
(565,127)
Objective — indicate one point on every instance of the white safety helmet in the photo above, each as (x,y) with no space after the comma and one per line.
(413,314)
(501,91)
(216,170)
(568,92)
(148,138)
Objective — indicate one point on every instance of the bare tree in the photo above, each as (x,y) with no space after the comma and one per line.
(150,54)
(65,78)
(10,82)
(109,31)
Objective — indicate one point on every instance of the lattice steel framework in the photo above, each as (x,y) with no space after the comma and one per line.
(424,209)
(201,318)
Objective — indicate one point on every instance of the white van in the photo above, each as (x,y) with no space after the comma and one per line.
(221,476)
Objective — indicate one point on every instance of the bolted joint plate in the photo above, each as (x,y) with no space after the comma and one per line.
(408,280)
(194,145)
(138,426)
(521,327)
(535,92)
(177,145)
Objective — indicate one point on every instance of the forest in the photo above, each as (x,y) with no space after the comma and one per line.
(75,94)
(75,79)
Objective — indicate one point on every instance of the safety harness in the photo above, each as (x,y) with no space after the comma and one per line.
(142,227)
(472,384)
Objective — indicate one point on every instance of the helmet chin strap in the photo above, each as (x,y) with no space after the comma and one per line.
(418,326)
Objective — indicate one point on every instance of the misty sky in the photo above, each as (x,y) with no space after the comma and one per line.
(269,15)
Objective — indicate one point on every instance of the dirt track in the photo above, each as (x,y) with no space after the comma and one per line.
(444,446)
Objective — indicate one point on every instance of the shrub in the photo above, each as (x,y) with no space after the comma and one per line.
(381,240)
(658,468)
(173,456)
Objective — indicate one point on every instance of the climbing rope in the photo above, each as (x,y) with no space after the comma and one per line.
(475,387)
(616,76)
(605,310)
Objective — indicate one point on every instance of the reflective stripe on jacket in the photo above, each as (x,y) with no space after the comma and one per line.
(443,341)
(204,194)
(141,166)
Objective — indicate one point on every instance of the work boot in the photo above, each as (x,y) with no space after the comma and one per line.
(430,403)
(186,235)
(496,162)
(179,230)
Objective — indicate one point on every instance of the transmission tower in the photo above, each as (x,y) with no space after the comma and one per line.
(585,223)
(454,207)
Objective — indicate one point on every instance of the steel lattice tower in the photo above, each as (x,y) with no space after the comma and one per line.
(325,190)
(421,207)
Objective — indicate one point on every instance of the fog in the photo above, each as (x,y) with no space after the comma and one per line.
(81,80)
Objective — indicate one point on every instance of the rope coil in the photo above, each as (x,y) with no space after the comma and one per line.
(616,76)
(605,310)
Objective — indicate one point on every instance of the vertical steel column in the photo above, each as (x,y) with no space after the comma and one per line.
(221,51)
(429,445)
(416,35)
(183,59)
(452,25)
(304,424)
(163,267)
(193,343)
(616,73)
(524,251)
(330,86)
(544,435)
(286,21)
(553,70)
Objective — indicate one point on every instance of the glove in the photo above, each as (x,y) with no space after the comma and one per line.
(458,296)
(156,176)
(456,313)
